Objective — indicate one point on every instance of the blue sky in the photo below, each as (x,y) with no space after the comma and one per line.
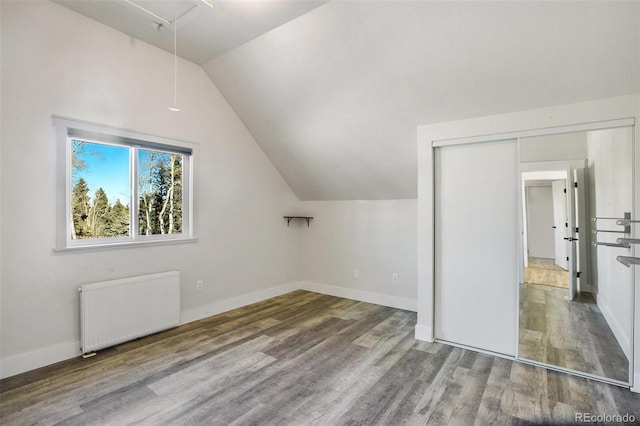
(107,168)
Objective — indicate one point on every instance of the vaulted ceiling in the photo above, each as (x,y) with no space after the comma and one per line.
(334,91)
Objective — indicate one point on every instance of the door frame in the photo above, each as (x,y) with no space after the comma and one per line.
(561,218)
(594,115)
(567,167)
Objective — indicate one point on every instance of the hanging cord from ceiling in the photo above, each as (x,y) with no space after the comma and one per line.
(175,65)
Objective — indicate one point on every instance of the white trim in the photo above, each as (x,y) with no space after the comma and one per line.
(125,244)
(37,358)
(636,387)
(360,295)
(72,123)
(584,127)
(623,338)
(200,312)
(520,243)
(42,357)
(544,170)
(423,333)
(67,130)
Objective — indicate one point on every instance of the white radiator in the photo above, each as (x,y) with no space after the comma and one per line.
(116,311)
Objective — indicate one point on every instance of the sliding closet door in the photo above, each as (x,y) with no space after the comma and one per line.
(476,245)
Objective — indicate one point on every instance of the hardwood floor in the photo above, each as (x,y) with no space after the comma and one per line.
(545,271)
(572,335)
(302,358)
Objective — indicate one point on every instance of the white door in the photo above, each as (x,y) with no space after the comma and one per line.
(579,235)
(560,223)
(476,245)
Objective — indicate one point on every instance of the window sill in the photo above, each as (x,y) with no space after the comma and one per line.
(121,245)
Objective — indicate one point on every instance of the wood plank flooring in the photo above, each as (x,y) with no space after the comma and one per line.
(300,359)
(572,335)
(545,271)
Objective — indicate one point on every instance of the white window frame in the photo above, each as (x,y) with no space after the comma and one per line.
(68,129)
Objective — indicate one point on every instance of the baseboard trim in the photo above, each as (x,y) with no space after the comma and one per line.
(424,333)
(618,330)
(28,361)
(360,295)
(636,383)
(216,308)
(42,357)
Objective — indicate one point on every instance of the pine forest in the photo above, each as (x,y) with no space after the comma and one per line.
(159,206)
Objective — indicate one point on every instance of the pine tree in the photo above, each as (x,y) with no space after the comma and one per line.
(80,209)
(98,219)
(118,223)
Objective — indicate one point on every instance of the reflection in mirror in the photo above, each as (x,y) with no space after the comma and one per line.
(576,304)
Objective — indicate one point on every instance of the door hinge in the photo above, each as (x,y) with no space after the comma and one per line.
(575,184)
(578,274)
(567,258)
(577,230)
(565,190)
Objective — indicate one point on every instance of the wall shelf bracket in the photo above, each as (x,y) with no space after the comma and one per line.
(307,218)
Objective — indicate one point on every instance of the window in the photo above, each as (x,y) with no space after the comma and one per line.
(119,187)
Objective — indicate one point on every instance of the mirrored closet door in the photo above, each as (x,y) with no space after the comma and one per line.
(575,295)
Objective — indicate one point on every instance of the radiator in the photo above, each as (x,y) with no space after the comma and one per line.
(116,311)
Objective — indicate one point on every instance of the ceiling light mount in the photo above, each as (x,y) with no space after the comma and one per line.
(144,9)
(158,10)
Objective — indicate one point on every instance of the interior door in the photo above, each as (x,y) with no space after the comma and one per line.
(580,234)
(572,243)
(560,223)
(476,245)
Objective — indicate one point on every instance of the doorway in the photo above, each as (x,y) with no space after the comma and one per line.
(545,228)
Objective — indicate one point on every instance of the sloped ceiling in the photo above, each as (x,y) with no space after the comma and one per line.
(334,92)
(335,96)
(204,32)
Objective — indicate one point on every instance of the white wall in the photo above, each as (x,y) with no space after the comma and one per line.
(611,177)
(378,238)
(55,61)
(540,236)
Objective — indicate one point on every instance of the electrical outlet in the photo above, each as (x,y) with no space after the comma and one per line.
(356,273)
(199,285)
(394,277)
